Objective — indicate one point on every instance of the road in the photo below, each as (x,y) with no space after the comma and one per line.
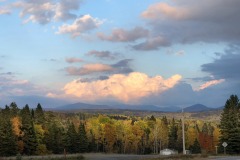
(117,156)
(142,157)
(225,158)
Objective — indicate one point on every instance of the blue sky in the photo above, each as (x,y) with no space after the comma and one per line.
(166,53)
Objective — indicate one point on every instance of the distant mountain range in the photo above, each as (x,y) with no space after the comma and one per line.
(84,106)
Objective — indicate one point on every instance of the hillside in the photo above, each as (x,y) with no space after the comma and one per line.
(197,108)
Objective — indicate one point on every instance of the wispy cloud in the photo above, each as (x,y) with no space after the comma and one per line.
(122,35)
(152,44)
(103,54)
(210,83)
(10,85)
(177,53)
(4,10)
(121,66)
(74,60)
(89,69)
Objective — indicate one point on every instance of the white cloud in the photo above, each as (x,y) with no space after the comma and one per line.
(80,26)
(45,11)
(125,88)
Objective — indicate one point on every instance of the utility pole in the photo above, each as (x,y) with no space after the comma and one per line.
(183,132)
(216,149)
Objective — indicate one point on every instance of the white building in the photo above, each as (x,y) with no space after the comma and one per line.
(168,152)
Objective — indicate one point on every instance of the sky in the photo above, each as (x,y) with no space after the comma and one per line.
(159,52)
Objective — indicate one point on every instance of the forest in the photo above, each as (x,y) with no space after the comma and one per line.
(37,132)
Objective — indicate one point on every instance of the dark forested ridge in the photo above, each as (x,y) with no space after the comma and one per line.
(37,132)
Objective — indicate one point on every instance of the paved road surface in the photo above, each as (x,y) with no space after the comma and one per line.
(117,156)
(225,158)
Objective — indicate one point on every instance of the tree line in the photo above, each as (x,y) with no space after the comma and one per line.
(36,132)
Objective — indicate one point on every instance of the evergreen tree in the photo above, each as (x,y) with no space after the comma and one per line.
(172,137)
(83,141)
(54,139)
(71,143)
(195,148)
(230,125)
(8,144)
(39,115)
(14,109)
(29,136)
(179,137)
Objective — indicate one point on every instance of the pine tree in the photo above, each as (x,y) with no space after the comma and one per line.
(230,125)
(39,115)
(195,148)
(29,136)
(172,137)
(83,141)
(8,144)
(54,139)
(14,109)
(71,143)
(179,137)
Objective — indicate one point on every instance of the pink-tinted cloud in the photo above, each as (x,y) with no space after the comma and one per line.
(4,11)
(74,60)
(122,35)
(210,83)
(164,11)
(80,25)
(89,69)
(125,88)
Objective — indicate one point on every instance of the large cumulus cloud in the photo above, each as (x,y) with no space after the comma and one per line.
(125,88)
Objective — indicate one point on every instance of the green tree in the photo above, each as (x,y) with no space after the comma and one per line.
(195,148)
(14,109)
(8,145)
(179,137)
(230,125)
(83,141)
(39,115)
(172,137)
(29,136)
(71,137)
(54,139)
